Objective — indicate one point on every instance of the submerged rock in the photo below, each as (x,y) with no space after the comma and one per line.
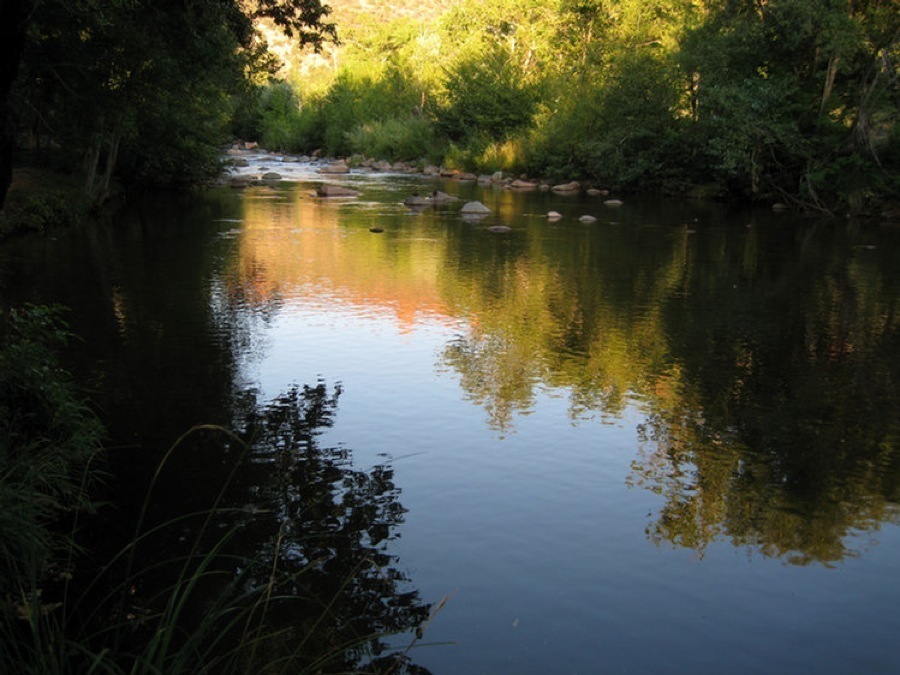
(499,229)
(572,186)
(587,219)
(613,202)
(436,197)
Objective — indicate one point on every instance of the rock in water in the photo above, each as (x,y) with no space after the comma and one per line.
(474,208)
(335,191)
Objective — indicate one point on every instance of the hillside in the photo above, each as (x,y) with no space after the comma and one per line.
(352,19)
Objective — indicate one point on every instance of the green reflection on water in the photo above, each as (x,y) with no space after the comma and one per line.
(764,353)
(762,350)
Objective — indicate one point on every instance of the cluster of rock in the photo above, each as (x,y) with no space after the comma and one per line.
(469,211)
(361,164)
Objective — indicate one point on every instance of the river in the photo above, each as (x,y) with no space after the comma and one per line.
(662,442)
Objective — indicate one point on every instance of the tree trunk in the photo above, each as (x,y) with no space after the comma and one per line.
(14,15)
(112,156)
(830,74)
(91,162)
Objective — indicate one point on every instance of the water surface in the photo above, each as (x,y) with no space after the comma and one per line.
(666,441)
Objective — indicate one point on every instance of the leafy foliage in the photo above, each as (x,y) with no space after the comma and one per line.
(484,97)
(785,100)
(143,91)
(48,441)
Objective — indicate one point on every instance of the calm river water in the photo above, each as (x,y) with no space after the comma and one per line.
(664,442)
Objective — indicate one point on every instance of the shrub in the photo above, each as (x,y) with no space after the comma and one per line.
(48,440)
(27,211)
(397,138)
(485,96)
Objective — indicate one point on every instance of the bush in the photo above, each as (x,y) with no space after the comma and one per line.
(406,138)
(48,440)
(27,211)
(486,97)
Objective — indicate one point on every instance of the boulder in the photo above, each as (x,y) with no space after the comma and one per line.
(449,173)
(436,197)
(271,176)
(595,192)
(520,184)
(468,177)
(337,167)
(439,197)
(327,191)
(474,208)
(587,219)
(571,186)
(554,215)
(613,202)
(418,200)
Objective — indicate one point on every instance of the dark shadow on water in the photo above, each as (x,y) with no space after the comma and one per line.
(279,547)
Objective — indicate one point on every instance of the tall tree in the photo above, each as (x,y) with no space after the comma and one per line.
(100,69)
(14,16)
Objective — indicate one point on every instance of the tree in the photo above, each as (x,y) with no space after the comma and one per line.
(796,99)
(100,76)
(14,15)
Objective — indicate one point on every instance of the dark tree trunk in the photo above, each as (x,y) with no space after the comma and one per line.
(14,15)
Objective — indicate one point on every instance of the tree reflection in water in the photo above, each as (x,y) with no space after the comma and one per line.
(325,527)
(306,544)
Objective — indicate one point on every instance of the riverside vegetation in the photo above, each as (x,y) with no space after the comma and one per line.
(785,101)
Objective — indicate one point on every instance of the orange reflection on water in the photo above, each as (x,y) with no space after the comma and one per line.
(297,247)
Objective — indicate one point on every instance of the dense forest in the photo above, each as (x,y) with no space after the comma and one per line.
(774,101)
